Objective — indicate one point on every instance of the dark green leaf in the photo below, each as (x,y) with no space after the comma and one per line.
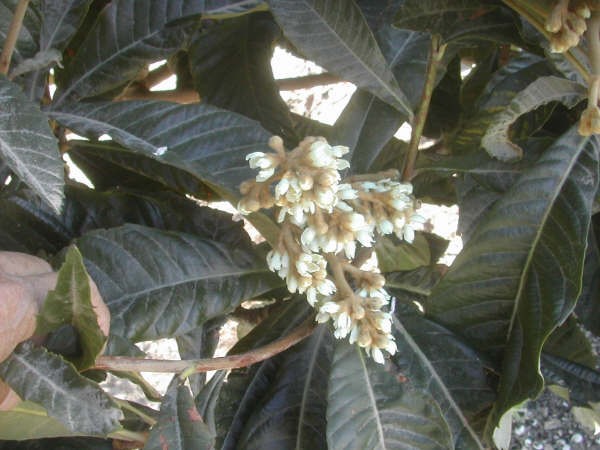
(280,403)
(570,343)
(365,126)
(459,19)
(417,283)
(28,146)
(367,408)
(230,63)
(445,109)
(60,21)
(27,41)
(27,225)
(29,421)
(201,140)
(75,443)
(179,426)
(463,371)
(544,90)
(506,83)
(423,370)
(205,141)
(582,381)
(305,126)
(46,379)
(126,36)
(207,400)
(87,209)
(335,35)
(174,281)
(227,9)
(407,53)
(394,255)
(588,304)
(71,303)
(199,343)
(507,276)
(111,166)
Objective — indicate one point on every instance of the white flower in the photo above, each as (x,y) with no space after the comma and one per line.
(342,164)
(282,187)
(377,355)
(254,159)
(385,226)
(329,307)
(279,262)
(408,233)
(265,174)
(339,150)
(346,192)
(326,287)
(350,249)
(320,154)
(343,323)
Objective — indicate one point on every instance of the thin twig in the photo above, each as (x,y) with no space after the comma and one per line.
(204,365)
(183,96)
(137,92)
(12,36)
(306,82)
(435,55)
(157,76)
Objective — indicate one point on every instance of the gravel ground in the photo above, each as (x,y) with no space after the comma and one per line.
(547,424)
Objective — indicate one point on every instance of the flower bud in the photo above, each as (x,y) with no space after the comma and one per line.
(590,121)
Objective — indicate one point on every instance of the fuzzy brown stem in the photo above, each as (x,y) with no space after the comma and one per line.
(593,38)
(435,55)
(306,82)
(127,364)
(137,92)
(12,36)
(339,277)
(157,76)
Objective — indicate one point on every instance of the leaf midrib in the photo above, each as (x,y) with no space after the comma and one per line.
(550,204)
(371,393)
(307,384)
(434,375)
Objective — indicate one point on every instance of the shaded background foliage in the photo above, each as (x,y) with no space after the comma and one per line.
(474,339)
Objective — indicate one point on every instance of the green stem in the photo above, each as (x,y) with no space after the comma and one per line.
(435,55)
(188,367)
(124,404)
(537,23)
(127,435)
(12,36)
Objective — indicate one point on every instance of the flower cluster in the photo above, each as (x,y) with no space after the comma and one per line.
(389,207)
(322,221)
(567,23)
